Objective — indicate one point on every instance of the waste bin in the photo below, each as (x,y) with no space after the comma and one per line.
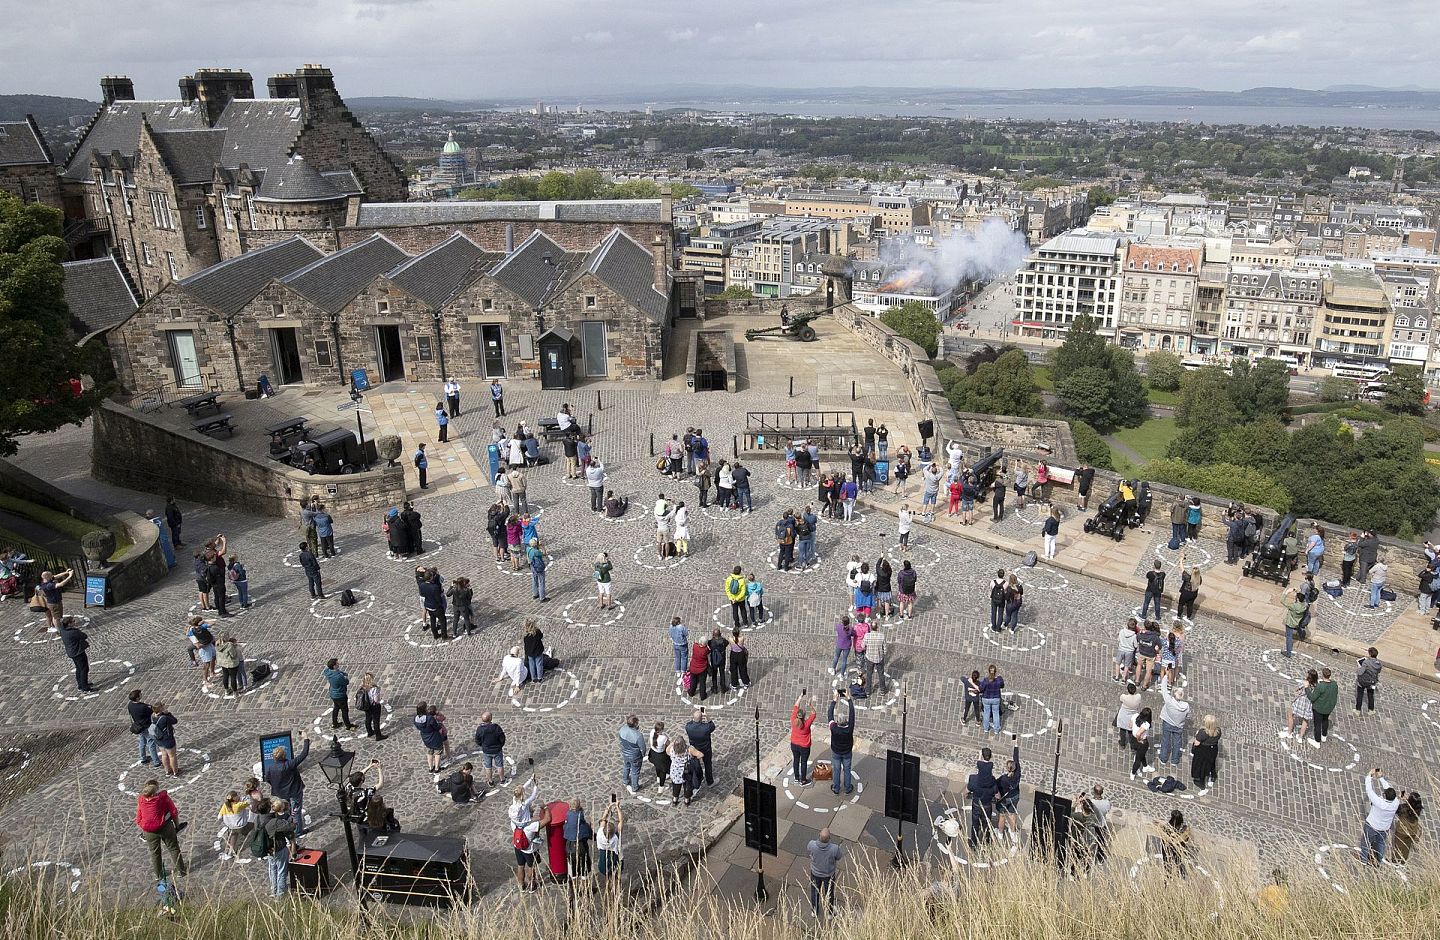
(882,471)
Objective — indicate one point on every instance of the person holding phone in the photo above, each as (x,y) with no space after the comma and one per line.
(842,740)
(700,729)
(607,841)
(801,719)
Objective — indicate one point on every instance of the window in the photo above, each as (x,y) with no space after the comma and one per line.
(382,307)
(277,310)
(174,268)
(589,301)
(423,345)
(225,211)
(126,252)
(160,211)
(250,210)
(322,352)
(486,304)
(147,254)
(200,217)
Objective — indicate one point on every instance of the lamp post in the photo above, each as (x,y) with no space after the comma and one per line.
(440,344)
(336,768)
(357,398)
(234,352)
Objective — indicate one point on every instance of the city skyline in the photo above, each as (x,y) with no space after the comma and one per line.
(571,49)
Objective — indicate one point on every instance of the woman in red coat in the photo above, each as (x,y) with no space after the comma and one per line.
(698,668)
(800,721)
(158,820)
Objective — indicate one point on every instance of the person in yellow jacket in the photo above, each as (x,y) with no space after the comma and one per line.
(735,593)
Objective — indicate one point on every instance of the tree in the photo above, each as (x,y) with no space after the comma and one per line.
(1129,405)
(1163,371)
(1090,446)
(1205,399)
(736,292)
(1260,389)
(1263,445)
(984,354)
(1004,387)
(1334,388)
(554,186)
(587,184)
(1221,479)
(1087,394)
(1083,348)
(1099,196)
(683,191)
(916,322)
(40,357)
(1404,391)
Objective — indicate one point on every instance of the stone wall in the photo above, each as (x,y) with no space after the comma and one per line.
(767,307)
(181,463)
(41,179)
(140,349)
(1020,434)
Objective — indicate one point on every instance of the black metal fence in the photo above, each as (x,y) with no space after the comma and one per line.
(38,559)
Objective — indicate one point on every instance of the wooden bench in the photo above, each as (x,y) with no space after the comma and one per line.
(287,428)
(197,405)
(214,424)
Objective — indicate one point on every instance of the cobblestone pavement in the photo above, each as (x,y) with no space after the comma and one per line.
(57,749)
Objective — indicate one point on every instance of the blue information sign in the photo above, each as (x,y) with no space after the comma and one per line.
(268,744)
(359,380)
(97,590)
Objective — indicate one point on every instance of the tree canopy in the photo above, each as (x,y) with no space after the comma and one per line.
(1005,386)
(40,357)
(1096,382)
(916,322)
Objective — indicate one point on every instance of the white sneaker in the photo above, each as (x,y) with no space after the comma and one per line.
(631,789)
(1150,769)
(1282,734)
(1315,744)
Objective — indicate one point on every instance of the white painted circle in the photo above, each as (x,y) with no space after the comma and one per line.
(845,799)
(721,620)
(1193,866)
(1386,608)
(345,613)
(165,784)
(1166,619)
(1049,714)
(594,616)
(713,703)
(44,632)
(431,553)
(1197,557)
(291,559)
(323,732)
(427,640)
(456,760)
(893,620)
(1041,579)
(784,483)
(234,609)
(1325,849)
(1019,513)
(720,514)
(251,686)
(524,570)
(84,696)
(1425,711)
(892,689)
(798,570)
(1275,661)
(62,868)
(1016,645)
(542,709)
(961,815)
(244,858)
(857,518)
(898,557)
(24,762)
(1296,755)
(654,563)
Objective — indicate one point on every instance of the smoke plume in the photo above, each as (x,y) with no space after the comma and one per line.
(993,251)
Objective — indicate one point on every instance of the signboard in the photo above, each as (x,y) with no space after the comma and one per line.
(347,405)
(760,827)
(332,489)
(902,786)
(268,744)
(359,380)
(97,590)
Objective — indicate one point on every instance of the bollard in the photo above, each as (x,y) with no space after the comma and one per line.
(852,389)
(735,445)
(792,386)
(652,443)
(590,423)
(598,405)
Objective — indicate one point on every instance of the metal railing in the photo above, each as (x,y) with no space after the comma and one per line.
(163,396)
(831,430)
(40,559)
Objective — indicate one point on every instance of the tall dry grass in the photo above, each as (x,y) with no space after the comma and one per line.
(1023,900)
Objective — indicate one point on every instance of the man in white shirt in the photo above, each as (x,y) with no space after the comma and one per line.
(564,419)
(1375,833)
(1101,823)
(906,523)
(452,396)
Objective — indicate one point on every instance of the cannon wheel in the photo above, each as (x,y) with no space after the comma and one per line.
(807,334)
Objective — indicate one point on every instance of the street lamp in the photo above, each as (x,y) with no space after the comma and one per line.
(336,768)
(357,398)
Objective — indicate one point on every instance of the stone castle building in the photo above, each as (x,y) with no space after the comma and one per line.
(174,186)
(27,169)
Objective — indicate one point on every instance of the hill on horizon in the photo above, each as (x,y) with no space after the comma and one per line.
(48,109)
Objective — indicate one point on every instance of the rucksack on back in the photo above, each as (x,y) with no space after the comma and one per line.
(261,844)
(997,593)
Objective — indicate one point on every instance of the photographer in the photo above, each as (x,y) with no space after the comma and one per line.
(841,718)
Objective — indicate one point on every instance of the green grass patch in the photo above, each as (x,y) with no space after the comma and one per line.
(60,522)
(1164,399)
(1042,378)
(1150,439)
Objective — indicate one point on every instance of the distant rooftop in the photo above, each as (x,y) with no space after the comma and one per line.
(614,211)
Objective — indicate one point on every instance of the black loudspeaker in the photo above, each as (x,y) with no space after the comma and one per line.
(902,786)
(926,428)
(760,827)
(1050,826)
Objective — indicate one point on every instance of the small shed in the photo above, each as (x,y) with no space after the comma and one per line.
(557,369)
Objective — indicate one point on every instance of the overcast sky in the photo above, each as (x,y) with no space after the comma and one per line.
(492,48)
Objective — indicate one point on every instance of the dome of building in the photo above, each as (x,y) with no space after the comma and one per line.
(450,145)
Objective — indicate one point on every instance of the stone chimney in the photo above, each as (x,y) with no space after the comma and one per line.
(315,87)
(667,203)
(662,265)
(116,88)
(282,85)
(215,88)
(189,89)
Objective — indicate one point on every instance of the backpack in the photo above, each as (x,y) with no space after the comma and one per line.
(347,598)
(153,731)
(997,594)
(204,637)
(260,673)
(261,843)
(1250,531)
(520,840)
(362,699)
(1030,559)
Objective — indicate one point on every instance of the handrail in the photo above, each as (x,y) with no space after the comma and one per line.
(166,394)
(42,559)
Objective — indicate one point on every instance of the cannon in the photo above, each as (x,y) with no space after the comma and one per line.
(1109,518)
(985,470)
(796,326)
(1270,560)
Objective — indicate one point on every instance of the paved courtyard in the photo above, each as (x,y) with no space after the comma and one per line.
(66,761)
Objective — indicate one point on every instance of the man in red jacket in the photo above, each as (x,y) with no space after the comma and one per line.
(159,823)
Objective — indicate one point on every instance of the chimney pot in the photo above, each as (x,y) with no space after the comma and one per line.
(116,88)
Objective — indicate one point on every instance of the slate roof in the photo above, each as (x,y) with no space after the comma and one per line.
(375,215)
(22,144)
(117,127)
(98,294)
(343,181)
(259,132)
(624,266)
(191,155)
(435,275)
(334,280)
(231,284)
(296,181)
(526,273)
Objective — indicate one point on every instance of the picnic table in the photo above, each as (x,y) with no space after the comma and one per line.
(197,405)
(215,424)
(288,427)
